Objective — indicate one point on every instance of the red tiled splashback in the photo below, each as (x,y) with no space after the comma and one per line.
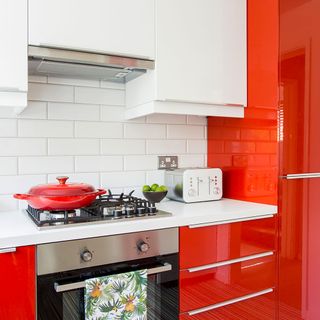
(246,149)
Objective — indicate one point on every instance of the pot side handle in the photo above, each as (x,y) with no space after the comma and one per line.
(21,196)
(101,192)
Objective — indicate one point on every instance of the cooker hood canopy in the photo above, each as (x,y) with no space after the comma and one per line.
(85,65)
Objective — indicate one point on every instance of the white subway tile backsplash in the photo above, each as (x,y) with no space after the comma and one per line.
(50,92)
(113,97)
(73,111)
(122,179)
(137,191)
(122,146)
(142,162)
(66,147)
(98,163)
(166,147)
(185,132)
(45,165)
(76,127)
(197,120)
(144,131)
(167,119)
(35,110)
(112,113)
(45,128)
(90,178)
(7,203)
(191,160)
(74,82)
(8,166)
(98,130)
(112,85)
(156,176)
(8,127)
(19,184)
(197,146)
(23,146)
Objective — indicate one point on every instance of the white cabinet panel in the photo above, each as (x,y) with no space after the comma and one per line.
(201,51)
(124,27)
(13,53)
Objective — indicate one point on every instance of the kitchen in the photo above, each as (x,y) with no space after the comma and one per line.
(115,98)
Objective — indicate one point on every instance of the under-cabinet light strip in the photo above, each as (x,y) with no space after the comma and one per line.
(228,262)
(200,225)
(228,302)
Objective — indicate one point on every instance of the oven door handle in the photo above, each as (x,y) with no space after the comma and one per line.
(81,284)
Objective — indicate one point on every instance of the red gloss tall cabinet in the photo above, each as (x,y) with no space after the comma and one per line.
(299,141)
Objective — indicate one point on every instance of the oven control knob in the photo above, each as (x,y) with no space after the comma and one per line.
(143,246)
(86,256)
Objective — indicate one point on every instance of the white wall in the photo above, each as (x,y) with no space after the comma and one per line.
(76,128)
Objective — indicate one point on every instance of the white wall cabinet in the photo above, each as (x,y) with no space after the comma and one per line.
(13,54)
(201,54)
(122,27)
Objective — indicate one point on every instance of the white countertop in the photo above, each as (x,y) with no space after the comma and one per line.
(17,229)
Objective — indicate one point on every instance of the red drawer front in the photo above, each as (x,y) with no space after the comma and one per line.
(202,288)
(258,308)
(17,296)
(206,245)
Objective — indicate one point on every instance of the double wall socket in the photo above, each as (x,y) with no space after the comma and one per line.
(168,162)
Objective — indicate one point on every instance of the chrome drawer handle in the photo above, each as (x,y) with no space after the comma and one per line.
(228,302)
(8,250)
(200,225)
(228,262)
(81,284)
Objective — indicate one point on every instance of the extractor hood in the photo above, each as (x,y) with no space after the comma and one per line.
(87,65)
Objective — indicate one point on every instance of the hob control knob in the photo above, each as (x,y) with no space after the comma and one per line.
(86,256)
(216,190)
(143,246)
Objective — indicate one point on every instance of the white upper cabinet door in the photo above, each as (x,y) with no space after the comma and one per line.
(13,53)
(201,51)
(122,27)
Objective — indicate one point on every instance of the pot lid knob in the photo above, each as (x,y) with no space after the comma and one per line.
(62,180)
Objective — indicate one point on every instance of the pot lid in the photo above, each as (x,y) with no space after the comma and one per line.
(62,188)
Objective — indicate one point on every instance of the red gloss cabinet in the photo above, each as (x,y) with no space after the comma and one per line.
(17,295)
(258,308)
(206,245)
(202,288)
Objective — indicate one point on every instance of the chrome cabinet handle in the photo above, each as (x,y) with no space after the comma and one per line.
(301,176)
(8,250)
(229,262)
(228,302)
(200,225)
(81,284)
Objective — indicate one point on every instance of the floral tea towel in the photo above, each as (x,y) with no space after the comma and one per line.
(120,297)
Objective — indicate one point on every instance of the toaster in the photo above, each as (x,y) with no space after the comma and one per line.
(194,184)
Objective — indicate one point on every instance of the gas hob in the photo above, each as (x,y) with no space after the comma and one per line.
(107,208)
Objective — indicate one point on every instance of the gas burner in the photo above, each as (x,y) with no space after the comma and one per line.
(110,207)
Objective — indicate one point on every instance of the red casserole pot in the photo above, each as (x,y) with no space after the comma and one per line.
(62,196)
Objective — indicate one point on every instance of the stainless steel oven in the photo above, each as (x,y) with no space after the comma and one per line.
(63,267)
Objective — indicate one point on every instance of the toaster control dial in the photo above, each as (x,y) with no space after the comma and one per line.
(86,256)
(143,246)
(216,191)
(191,192)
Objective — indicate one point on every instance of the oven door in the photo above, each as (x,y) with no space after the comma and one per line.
(60,296)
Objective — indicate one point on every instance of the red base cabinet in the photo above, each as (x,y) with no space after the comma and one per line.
(17,294)
(228,271)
